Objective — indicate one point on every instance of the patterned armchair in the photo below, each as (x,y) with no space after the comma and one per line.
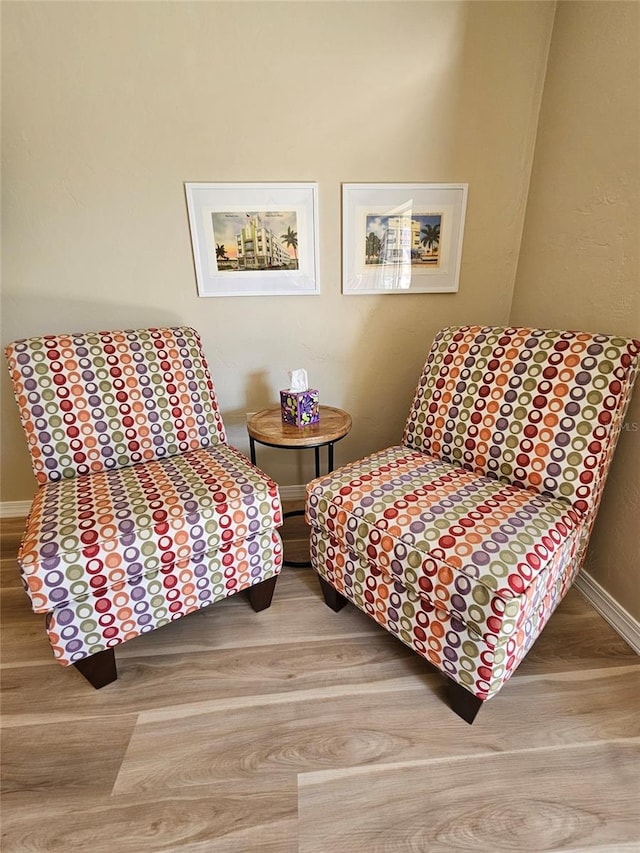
(144,513)
(462,540)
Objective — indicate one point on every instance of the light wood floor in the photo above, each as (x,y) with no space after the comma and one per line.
(298,729)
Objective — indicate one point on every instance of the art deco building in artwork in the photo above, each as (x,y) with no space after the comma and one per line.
(259,248)
(402,236)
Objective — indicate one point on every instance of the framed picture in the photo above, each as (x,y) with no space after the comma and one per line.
(254,239)
(402,238)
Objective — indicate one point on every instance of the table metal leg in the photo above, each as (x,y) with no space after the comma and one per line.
(252,449)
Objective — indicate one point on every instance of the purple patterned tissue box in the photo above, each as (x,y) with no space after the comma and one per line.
(300,408)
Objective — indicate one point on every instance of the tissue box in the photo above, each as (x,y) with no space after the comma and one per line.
(299,408)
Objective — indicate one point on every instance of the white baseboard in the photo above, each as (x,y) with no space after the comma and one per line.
(620,620)
(293,493)
(14,509)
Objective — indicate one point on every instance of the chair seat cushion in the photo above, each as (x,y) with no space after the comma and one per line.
(470,544)
(92,532)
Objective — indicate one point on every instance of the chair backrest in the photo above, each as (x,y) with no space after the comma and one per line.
(537,408)
(99,400)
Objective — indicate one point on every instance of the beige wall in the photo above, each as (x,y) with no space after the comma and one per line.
(578,263)
(108,108)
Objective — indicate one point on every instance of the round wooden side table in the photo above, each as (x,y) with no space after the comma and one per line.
(266,427)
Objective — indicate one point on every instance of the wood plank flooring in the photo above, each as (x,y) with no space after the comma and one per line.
(299,730)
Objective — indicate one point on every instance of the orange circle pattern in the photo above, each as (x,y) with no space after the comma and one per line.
(93,402)
(463,540)
(114,548)
(561,395)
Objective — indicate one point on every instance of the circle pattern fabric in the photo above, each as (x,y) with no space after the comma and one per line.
(91,533)
(144,513)
(469,544)
(87,625)
(99,401)
(463,540)
(481,664)
(534,407)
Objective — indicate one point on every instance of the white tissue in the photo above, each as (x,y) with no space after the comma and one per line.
(298,381)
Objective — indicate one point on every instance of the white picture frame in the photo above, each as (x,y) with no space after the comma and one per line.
(254,239)
(402,238)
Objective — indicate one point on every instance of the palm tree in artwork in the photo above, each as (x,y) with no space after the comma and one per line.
(373,245)
(221,252)
(291,240)
(430,236)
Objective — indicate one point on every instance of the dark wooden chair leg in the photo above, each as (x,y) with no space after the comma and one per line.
(99,669)
(261,594)
(463,703)
(332,597)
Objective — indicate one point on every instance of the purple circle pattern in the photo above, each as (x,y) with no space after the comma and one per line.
(91,402)
(463,540)
(144,513)
(90,533)
(125,610)
(506,402)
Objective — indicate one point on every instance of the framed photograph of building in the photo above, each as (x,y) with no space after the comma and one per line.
(402,238)
(254,239)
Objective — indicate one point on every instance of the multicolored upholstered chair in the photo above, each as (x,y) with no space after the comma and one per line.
(144,513)
(462,540)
